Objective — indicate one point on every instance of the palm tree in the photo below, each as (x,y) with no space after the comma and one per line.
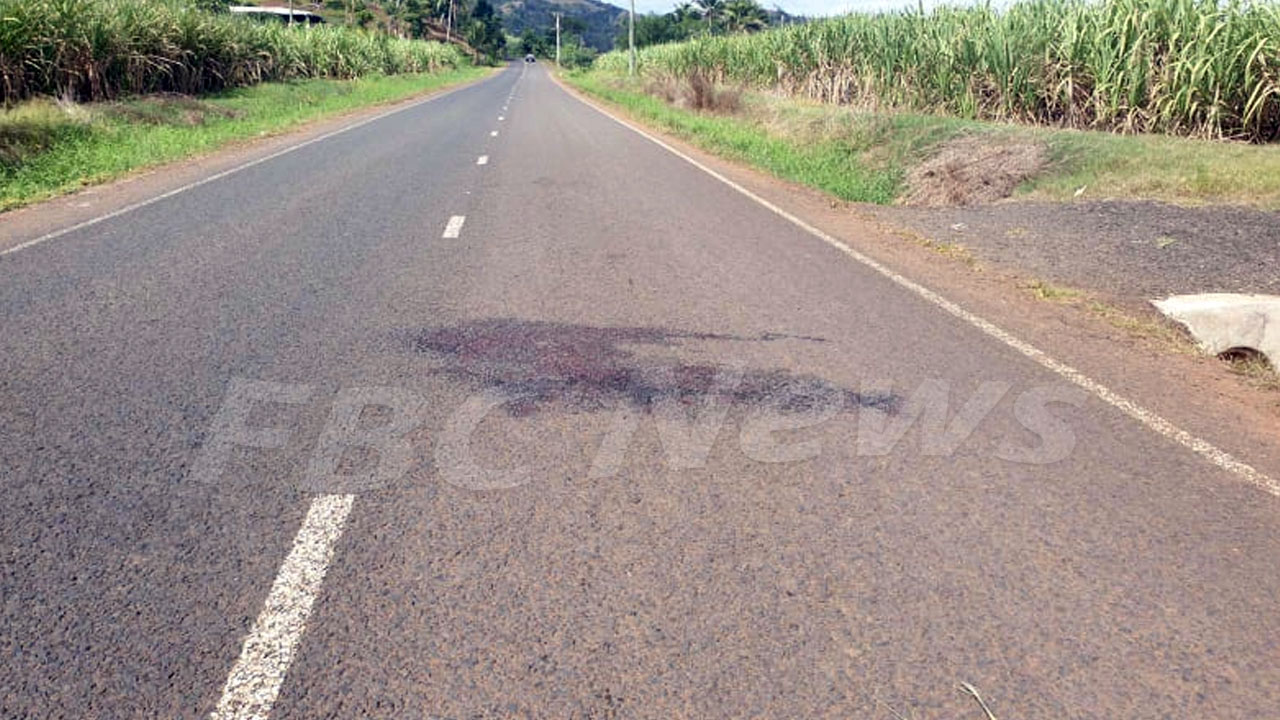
(744,16)
(711,11)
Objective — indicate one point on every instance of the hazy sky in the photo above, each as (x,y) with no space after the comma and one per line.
(797,7)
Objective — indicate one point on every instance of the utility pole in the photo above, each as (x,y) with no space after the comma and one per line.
(631,40)
(290,12)
(557,39)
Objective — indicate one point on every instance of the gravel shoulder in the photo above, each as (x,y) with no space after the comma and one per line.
(1129,250)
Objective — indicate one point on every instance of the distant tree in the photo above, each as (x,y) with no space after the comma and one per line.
(414,15)
(483,29)
(533,43)
(570,25)
(528,42)
(744,16)
(656,29)
(574,53)
(348,8)
(396,21)
(712,11)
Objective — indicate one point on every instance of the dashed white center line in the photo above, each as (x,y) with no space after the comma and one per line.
(482,160)
(501,118)
(493,134)
(454,227)
(255,680)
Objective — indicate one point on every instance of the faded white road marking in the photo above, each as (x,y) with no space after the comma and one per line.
(482,160)
(454,226)
(255,680)
(218,176)
(501,118)
(1148,418)
(493,133)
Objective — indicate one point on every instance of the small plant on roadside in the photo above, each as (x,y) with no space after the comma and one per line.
(1054,293)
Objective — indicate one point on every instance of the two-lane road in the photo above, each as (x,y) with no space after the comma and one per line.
(493,408)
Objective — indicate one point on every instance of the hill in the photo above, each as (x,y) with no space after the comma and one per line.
(599,18)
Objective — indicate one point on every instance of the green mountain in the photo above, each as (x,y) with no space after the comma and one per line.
(599,19)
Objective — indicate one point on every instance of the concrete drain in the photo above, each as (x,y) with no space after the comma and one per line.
(1231,326)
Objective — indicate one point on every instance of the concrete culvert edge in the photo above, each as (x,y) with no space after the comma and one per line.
(1229,325)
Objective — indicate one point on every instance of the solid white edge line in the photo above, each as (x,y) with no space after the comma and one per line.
(255,680)
(225,173)
(1146,417)
(482,160)
(453,228)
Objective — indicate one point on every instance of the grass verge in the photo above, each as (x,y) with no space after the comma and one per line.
(1177,170)
(51,148)
(823,163)
(867,156)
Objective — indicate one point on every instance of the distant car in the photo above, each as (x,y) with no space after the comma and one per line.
(530,58)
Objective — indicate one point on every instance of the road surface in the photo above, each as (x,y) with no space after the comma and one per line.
(492,408)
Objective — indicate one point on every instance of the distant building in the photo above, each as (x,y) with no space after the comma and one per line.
(281,14)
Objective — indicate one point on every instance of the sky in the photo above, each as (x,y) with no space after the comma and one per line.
(813,8)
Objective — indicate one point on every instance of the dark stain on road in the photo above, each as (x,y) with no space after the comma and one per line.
(587,368)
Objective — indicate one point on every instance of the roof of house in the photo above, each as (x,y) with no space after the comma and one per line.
(253,10)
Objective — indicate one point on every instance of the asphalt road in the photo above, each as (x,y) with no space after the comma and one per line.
(636,457)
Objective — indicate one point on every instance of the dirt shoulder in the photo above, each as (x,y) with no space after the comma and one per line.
(1136,250)
(1134,357)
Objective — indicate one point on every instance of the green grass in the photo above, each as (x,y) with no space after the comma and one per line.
(863,155)
(1179,170)
(48,148)
(825,164)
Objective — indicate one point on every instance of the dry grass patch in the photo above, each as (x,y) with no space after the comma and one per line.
(975,169)
(170,109)
(696,92)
